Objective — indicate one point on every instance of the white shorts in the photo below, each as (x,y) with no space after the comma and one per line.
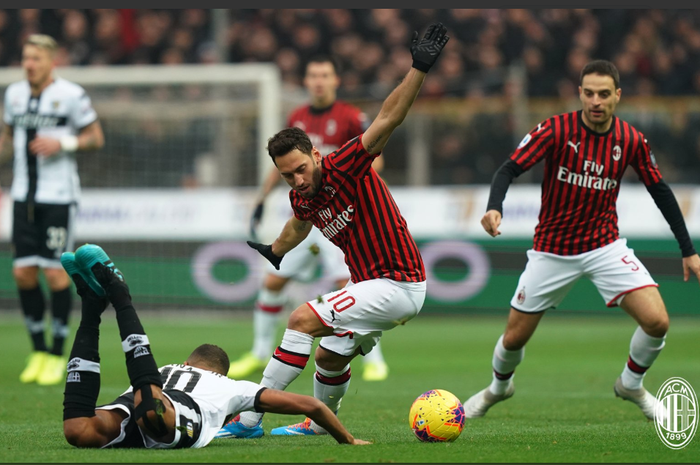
(613,269)
(300,262)
(359,313)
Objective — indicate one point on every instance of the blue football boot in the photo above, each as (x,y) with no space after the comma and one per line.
(236,429)
(299,429)
(77,274)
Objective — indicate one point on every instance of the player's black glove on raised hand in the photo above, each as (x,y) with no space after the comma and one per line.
(426,51)
(266,251)
(255,220)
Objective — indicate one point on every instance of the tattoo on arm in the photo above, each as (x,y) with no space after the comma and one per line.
(374,143)
(303,226)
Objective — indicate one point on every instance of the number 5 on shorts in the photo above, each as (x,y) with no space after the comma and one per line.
(630,262)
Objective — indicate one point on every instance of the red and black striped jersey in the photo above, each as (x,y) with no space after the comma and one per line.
(582,175)
(329,128)
(355,211)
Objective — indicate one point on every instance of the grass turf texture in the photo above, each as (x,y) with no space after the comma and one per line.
(564,409)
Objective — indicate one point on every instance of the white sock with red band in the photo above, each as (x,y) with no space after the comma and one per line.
(329,388)
(504,363)
(286,364)
(643,351)
(266,317)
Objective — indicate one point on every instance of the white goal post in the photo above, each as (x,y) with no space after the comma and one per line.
(265,75)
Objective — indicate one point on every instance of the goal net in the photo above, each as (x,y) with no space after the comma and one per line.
(172,189)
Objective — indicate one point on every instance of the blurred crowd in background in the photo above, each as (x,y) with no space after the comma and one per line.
(656,51)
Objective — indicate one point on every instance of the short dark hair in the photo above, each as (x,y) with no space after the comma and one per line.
(287,140)
(323,59)
(603,67)
(212,356)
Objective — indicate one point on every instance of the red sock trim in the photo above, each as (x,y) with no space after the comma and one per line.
(632,365)
(291,358)
(502,376)
(269,309)
(336,380)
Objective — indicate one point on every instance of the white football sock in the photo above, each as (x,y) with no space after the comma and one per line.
(266,316)
(643,351)
(504,363)
(286,364)
(329,388)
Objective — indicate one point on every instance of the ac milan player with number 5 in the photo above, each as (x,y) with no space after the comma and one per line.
(586,153)
(344,197)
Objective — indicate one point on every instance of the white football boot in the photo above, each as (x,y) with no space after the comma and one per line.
(478,404)
(641,397)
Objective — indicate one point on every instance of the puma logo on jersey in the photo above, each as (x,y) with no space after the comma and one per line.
(333,318)
(574,146)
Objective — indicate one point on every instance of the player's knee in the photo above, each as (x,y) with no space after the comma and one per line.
(513,341)
(304,320)
(25,277)
(328,360)
(275,283)
(658,327)
(57,279)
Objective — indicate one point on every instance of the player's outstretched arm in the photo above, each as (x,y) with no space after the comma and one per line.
(395,108)
(274,401)
(505,174)
(6,143)
(292,234)
(668,205)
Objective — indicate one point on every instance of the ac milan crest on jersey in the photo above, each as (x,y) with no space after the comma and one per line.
(331,127)
(521,295)
(617,153)
(583,171)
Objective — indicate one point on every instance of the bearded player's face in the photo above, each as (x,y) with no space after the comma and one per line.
(599,98)
(301,171)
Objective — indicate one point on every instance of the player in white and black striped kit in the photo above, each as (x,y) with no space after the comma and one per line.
(47,119)
(176,406)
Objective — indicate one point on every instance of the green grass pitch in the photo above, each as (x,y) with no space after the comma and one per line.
(564,409)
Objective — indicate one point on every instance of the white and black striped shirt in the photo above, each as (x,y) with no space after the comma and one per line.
(63,108)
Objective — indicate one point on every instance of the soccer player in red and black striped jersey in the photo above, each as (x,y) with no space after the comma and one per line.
(585,153)
(342,195)
(329,123)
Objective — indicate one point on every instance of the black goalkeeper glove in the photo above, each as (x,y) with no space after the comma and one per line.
(426,51)
(255,220)
(266,251)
